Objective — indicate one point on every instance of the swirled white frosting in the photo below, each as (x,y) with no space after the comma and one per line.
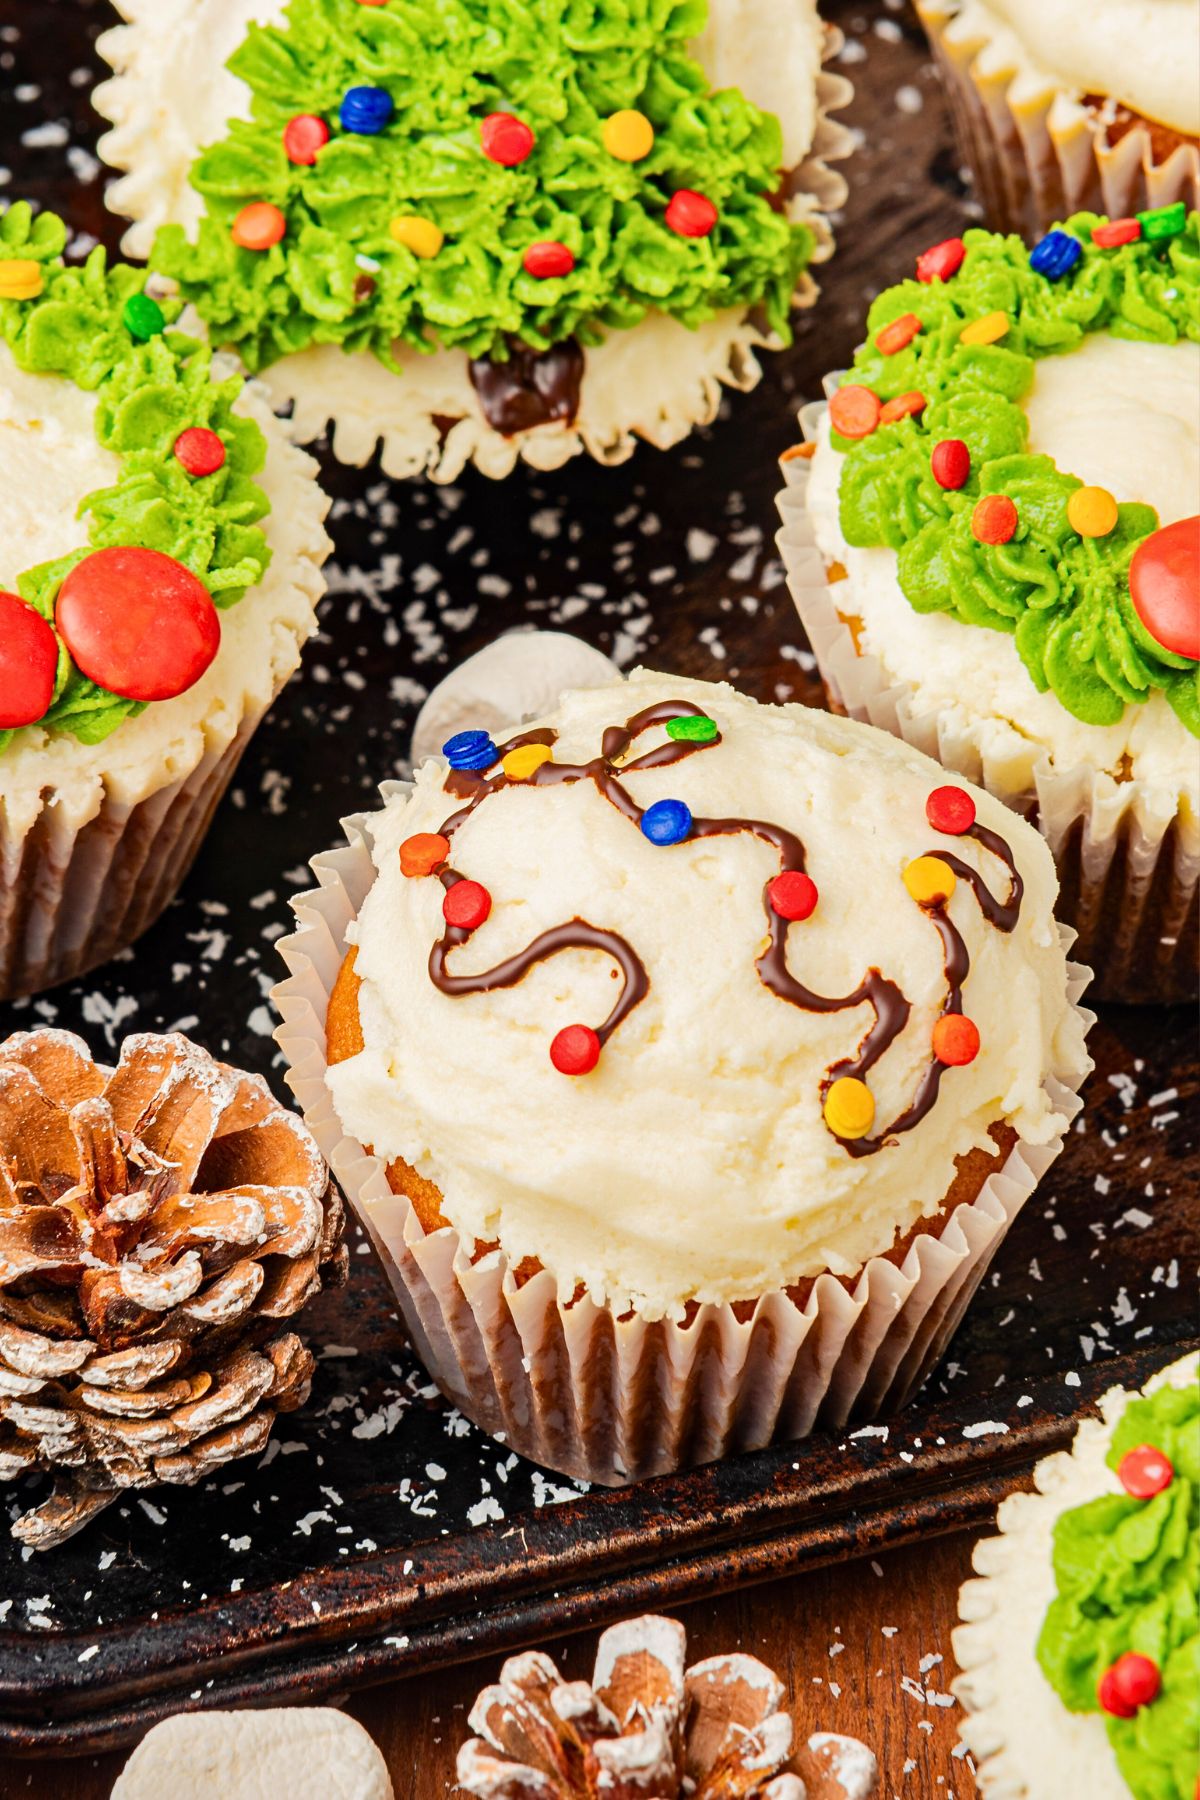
(694,1161)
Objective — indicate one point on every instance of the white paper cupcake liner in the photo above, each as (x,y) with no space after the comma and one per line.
(1026,1745)
(613,1399)
(1036,152)
(654,382)
(1128,874)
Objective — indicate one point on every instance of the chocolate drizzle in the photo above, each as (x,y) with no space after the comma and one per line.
(889,1005)
(530,388)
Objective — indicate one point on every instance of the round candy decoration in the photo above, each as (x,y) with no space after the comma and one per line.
(467,905)
(1091,511)
(470,750)
(1132,1682)
(20,278)
(951,464)
(505,139)
(693,730)
(419,235)
(929,880)
(575,1050)
(1056,255)
(366,110)
(200,451)
(1115,233)
(950,810)
(628,135)
(525,761)
(1164,585)
(955,1040)
(690,214)
(258,226)
(988,330)
(898,334)
(303,137)
(666,822)
(28,663)
(793,895)
(422,853)
(854,411)
(942,261)
(137,623)
(994,519)
(849,1107)
(547,260)
(1145,1471)
(904,406)
(143,318)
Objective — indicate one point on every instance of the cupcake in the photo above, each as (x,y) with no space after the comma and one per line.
(684,1100)
(485,232)
(1080,1641)
(1060,105)
(160,568)
(992,542)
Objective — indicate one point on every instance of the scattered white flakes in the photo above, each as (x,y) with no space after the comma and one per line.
(1126,1088)
(852,52)
(929,1662)
(909,99)
(1102,1184)
(83,165)
(155,1514)
(483,1510)
(1162,1098)
(888,30)
(985,1428)
(262,1021)
(435,1471)
(239,1544)
(878,1568)
(396,1643)
(87,1655)
(1121,1309)
(107,1559)
(700,544)
(53,135)
(1071,1378)
(870,1431)
(889,1631)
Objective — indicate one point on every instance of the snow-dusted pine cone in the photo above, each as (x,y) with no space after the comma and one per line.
(648,1726)
(158,1221)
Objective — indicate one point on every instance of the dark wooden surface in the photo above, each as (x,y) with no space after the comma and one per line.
(669,559)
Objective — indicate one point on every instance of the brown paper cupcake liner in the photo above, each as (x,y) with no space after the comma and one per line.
(1128,873)
(614,1398)
(1039,153)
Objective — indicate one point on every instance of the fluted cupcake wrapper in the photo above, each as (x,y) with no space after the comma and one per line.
(1128,870)
(614,1398)
(1036,153)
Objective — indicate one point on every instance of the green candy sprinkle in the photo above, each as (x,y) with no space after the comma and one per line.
(143,317)
(1163,221)
(692,731)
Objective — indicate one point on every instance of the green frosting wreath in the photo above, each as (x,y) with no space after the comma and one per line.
(1128,1577)
(146,394)
(1064,598)
(563,67)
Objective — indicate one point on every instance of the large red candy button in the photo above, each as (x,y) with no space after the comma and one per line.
(138,623)
(575,1050)
(1145,1471)
(1132,1682)
(467,904)
(1164,585)
(28,663)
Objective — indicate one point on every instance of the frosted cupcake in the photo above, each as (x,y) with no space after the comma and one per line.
(1061,105)
(994,551)
(159,567)
(1080,1646)
(704,1050)
(487,231)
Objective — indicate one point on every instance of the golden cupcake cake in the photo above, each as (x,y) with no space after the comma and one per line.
(669,1050)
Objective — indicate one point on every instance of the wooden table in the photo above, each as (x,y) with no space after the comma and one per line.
(863,1648)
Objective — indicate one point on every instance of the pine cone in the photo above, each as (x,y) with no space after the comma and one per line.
(157,1221)
(648,1728)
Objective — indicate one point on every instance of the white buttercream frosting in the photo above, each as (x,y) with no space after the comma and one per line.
(49,459)
(1026,1744)
(694,1161)
(1121,415)
(1142,53)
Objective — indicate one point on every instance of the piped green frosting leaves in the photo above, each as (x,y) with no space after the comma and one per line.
(563,66)
(1128,1578)
(146,394)
(1064,598)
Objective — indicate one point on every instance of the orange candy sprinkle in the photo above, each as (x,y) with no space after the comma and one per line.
(994,520)
(854,411)
(258,226)
(955,1040)
(423,853)
(897,335)
(904,406)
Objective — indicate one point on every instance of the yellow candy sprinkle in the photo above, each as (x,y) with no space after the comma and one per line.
(629,136)
(421,236)
(849,1107)
(988,330)
(20,279)
(1091,511)
(525,761)
(929,880)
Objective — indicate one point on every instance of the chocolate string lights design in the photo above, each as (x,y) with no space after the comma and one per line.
(787,898)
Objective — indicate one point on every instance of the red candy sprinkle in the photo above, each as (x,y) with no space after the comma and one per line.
(138,623)
(506,139)
(575,1050)
(898,335)
(424,852)
(792,895)
(1145,1471)
(904,406)
(28,663)
(955,1040)
(303,136)
(547,260)
(467,905)
(951,463)
(690,214)
(1132,1682)
(942,261)
(200,450)
(948,809)
(854,411)
(994,519)
(1164,585)
(1117,231)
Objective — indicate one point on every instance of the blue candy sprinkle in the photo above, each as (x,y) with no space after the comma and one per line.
(666,822)
(366,110)
(470,750)
(1056,255)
